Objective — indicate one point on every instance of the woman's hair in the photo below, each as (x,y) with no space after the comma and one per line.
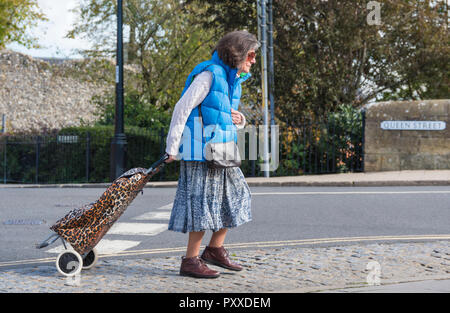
(234,47)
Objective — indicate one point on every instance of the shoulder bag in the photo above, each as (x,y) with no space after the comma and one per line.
(221,154)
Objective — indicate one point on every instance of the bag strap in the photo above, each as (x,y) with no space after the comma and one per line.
(200,105)
(200,114)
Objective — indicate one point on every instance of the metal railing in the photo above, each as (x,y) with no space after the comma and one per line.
(316,148)
(313,148)
(71,158)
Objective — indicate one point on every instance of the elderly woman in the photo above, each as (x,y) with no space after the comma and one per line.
(213,199)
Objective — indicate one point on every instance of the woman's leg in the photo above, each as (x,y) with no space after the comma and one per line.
(192,265)
(218,238)
(216,254)
(194,242)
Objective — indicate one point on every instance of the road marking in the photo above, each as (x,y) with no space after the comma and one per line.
(165,215)
(349,192)
(137,229)
(270,244)
(166,207)
(262,244)
(24,262)
(105,246)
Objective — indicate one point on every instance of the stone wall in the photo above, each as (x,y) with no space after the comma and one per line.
(37,96)
(418,149)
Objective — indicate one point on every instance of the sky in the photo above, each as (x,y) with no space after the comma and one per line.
(51,34)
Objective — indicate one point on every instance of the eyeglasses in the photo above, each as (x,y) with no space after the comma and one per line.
(251,55)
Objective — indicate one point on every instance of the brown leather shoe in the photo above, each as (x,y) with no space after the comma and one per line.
(220,257)
(196,267)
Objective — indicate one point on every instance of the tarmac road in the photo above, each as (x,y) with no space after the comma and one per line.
(282,216)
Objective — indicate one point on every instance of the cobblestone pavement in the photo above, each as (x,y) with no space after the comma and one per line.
(290,269)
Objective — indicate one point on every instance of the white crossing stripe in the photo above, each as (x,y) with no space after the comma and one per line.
(140,229)
(165,215)
(105,246)
(166,207)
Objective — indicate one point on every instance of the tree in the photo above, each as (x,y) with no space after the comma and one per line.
(327,54)
(16,17)
(164,43)
(422,43)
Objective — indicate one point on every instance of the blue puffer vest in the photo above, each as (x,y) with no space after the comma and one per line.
(225,93)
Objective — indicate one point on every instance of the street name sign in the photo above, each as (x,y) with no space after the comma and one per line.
(413,125)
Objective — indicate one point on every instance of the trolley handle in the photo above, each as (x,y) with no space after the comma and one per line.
(160,162)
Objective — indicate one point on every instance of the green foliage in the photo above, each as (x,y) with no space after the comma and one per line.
(164,42)
(326,54)
(345,136)
(329,146)
(16,17)
(328,63)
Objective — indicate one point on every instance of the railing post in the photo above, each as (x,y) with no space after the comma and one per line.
(4,161)
(363,117)
(334,146)
(3,123)
(6,138)
(88,153)
(38,148)
(161,151)
(253,162)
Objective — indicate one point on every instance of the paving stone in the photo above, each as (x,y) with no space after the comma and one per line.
(268,270)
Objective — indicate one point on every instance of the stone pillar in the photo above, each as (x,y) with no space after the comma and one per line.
(411,145)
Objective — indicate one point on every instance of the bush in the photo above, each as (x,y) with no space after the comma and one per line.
(328,146)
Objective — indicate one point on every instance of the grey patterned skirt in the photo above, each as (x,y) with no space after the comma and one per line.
(209,199)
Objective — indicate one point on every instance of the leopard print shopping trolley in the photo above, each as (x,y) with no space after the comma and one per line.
(84,227)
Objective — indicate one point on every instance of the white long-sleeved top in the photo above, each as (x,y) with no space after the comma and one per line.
(194,95)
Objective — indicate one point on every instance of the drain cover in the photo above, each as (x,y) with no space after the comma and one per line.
(24,222)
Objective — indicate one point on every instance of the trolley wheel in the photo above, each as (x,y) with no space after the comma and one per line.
(90,259)
(69,263)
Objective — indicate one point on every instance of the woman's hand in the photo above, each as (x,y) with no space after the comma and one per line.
(171,158)
(236,117)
